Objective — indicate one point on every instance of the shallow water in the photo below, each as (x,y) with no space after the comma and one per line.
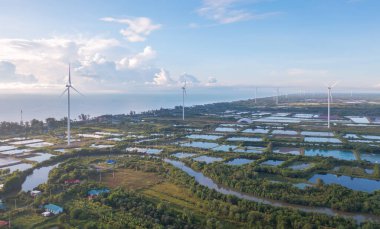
(39,176)
(21,167)
(202,145)
(240,161)
(204,136)
(206,181)
(207,159)
(183,155)
(357,184)
(272,162)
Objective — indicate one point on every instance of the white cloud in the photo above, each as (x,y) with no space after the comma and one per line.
(228,11)
(162,78)
(138,59)
(97,63)
(190,79)
(8,74)
(138,28)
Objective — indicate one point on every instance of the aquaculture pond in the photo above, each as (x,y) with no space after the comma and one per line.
(8,161)
(21,167)
(183,155)
(40,157)
(240,161)
(322,140)
(202,145)
(226,129)
(250,149)
(272,162)
(5,148)
(317,134)
(204,136)
(357,184)
(39,176)
(39,144)
(244,139)
(207,159)
(284,132)
(256,131)
(287,150)
(338,154)
(225,148)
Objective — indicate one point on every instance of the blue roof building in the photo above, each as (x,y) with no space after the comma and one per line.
(55,209)
(2,206)
(111,162)
(97,192)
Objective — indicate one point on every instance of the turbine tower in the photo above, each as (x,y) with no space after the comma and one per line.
(329,101)
(183,100)
(68,87)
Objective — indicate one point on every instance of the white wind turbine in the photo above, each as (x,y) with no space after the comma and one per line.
(68,87)
(183,100)
(329,101)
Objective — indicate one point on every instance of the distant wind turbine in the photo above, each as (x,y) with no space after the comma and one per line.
(183,100)
(329,101)
(68,87)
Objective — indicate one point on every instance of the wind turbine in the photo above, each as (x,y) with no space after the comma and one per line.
(329,101)
(68,87)
(183,100)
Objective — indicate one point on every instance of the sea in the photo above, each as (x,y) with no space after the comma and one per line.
(42,106)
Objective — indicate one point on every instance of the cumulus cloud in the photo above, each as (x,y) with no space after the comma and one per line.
(138,59)
(138,28)
(190,79)
(162,78)
(97,63)
(8,74)
(228,11)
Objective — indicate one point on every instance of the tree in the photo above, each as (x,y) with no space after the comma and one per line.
(376,171)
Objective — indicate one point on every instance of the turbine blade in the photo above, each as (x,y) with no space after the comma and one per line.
(69,75)
(334,84)
(76,90)
(63,92)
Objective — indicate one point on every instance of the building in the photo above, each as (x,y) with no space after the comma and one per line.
(111,162)
(76,181)
(2,206)
(3,224)
(55,209)
(96,192)
(35,193)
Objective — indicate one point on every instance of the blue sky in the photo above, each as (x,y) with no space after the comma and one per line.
(126,46)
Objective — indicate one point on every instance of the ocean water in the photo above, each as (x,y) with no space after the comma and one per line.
(50,105)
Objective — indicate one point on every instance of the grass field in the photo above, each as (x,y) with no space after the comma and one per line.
(182,199)
(131,179)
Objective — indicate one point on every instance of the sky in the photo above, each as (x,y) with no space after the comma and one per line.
(129,46)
